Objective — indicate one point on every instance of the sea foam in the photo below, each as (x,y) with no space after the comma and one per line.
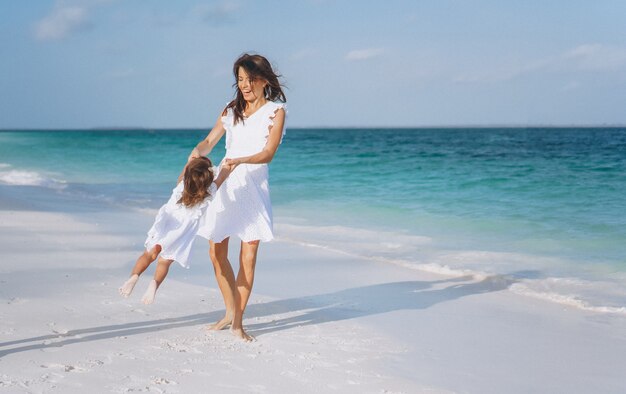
(16,177)
(524,274)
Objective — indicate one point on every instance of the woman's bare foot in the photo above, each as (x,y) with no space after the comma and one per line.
(222,324)
(148,296)
(241,334)
(128,286)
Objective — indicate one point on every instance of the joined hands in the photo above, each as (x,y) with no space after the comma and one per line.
(230,164)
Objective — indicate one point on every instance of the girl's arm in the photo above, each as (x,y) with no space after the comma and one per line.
(225,171)
(205,146)
(273,140)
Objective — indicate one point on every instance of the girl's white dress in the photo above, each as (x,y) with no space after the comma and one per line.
(175,226)
(242,205)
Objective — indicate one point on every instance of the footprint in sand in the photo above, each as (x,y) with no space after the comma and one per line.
(5,381)
(127,356)
(163,381)
(51,377)
(8,331)
(64,367)
(57,330)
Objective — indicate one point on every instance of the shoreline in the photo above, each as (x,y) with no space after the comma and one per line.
(324,321)
(552,278)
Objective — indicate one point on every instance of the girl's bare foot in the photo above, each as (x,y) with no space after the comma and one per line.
(129,285)
(148,296)
(241,334)
(222,324)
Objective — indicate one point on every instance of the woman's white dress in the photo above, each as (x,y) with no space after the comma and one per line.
(175,226)
(242,205)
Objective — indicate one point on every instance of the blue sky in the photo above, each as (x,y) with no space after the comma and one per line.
(157,63)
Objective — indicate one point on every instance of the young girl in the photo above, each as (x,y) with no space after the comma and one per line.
(176,224)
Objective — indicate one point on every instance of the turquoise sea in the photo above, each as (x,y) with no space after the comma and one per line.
(544,206)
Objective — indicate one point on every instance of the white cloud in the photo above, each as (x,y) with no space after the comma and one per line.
(63,21)
(596,57)
(67,17)
(586,57)
(363,54)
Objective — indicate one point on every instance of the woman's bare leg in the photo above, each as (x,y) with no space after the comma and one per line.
(225,280)
(142,263)
(245,280)
(163,267)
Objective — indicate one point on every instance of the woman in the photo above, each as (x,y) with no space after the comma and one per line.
(254,124)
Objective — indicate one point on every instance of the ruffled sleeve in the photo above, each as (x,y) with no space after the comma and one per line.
(212,191)
(273,108)
(227,121)
(177,193)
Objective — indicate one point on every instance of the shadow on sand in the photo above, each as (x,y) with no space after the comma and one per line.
(341,305)
(369,300)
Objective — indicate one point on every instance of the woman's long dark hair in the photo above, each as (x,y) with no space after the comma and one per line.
(258,68)
(197,178)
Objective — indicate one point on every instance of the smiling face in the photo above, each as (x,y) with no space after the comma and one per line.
(250,88)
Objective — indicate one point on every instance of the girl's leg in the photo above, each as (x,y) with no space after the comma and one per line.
(145,260)
(225,280)
(245,280)
(163,267)
(142,263)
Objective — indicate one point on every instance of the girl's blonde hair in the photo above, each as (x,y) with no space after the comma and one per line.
(198,177)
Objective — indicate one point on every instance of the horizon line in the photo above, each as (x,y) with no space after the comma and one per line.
(470,126)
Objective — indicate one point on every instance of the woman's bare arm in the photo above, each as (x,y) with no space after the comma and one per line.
(205,146)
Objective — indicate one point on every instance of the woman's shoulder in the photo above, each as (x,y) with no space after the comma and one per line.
(274,106)
(227,116)
(228,110)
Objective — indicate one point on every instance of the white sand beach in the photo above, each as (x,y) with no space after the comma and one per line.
(323,321)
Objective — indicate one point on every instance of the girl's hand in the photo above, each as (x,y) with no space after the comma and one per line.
(233,162)
(195,153)
(230,164)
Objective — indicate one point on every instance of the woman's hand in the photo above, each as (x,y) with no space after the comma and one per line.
(226,169)
(195,153)
(233,162)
